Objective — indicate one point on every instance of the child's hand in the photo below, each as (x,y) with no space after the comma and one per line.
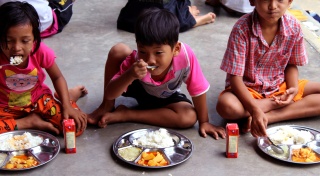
(139,69)
(207,128)
(286,98)
(259,124)
(79,117)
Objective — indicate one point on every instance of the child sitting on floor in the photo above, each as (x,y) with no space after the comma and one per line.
(153,75)
(25,101)
(262,85)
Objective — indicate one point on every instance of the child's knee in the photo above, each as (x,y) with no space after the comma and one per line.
(120,50)
(227,109)
(187,119)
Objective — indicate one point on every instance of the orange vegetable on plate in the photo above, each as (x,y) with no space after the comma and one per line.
(152,159)
(304,155)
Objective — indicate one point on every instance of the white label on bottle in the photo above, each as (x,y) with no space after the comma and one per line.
(70,140)
(233,144)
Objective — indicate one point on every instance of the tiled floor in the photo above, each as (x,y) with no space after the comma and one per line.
(82,50)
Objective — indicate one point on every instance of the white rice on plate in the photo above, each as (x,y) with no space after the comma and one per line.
(155,139)
(19,142)
(289,136)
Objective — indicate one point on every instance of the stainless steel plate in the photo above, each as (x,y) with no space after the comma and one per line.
(180,152)
(43,153)
(265,146)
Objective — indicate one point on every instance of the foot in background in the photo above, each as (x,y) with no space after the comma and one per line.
(205,19)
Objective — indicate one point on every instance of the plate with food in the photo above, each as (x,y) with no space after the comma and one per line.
(153,148)
(299,144)
(27,149)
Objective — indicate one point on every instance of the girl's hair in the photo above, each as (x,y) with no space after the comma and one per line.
(157,26)
(19,13)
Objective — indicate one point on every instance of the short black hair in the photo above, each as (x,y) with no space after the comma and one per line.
(19,13)
(157,26)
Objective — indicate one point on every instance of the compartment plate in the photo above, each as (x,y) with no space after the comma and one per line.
(44,153)
(264,145)
(177,154)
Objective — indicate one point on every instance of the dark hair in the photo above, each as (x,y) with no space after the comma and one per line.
(157,26)
(19,13)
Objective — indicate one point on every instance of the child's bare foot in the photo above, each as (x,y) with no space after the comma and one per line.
(34,121)
(113,117)
(205,19)
(75,93)
(97,114)
(194,10)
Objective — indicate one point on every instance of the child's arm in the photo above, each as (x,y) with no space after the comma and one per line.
(61,88)
(259,120)
(116,87)
(291,76)
(200,104)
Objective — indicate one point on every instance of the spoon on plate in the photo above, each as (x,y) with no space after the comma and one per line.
(274,147)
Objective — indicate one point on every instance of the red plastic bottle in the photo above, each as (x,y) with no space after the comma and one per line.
(69,131)
(232,140)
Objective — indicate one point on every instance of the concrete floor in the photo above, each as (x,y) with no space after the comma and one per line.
(82,50)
